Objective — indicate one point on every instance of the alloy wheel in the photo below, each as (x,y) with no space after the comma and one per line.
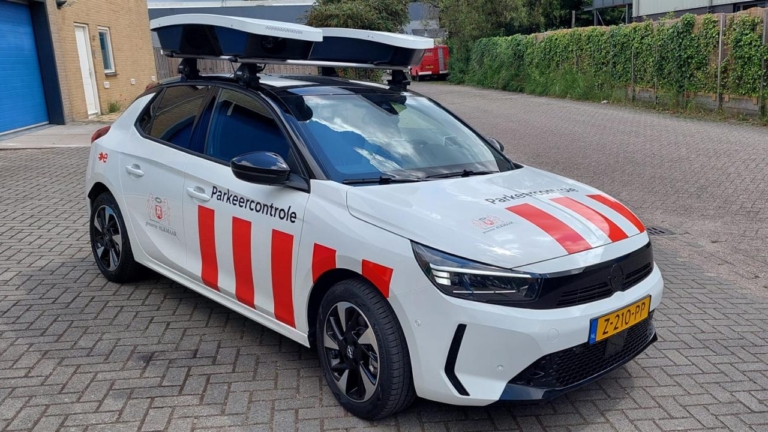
(108,240)
(352,351)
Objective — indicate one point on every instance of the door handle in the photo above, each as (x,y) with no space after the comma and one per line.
(134,170)
(198,193)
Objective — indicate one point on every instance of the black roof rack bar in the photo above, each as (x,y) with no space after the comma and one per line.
(318,63)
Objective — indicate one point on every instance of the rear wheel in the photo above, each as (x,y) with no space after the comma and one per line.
(109,241)
(363,351)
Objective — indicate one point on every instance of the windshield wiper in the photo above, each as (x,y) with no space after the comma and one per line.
(465,173)
(381,180)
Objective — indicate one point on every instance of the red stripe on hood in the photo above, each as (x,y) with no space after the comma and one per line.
(620,209)
(613,231)
(568,238)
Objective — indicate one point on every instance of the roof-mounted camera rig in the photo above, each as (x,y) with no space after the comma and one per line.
(256,43)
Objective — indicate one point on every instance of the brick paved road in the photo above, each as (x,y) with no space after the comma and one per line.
(706,181)
(79,353)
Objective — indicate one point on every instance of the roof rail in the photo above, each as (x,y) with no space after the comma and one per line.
(253,41)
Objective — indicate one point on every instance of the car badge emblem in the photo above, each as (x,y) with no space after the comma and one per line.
(616,279)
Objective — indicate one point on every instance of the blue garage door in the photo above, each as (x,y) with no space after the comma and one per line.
(22,101)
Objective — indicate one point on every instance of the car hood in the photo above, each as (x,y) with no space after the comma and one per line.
(509,219)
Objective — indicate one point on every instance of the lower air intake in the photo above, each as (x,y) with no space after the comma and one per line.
(574,365)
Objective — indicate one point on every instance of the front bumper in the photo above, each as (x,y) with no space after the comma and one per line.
(469,353)
(558,373)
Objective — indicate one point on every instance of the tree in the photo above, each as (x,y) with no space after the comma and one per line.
(380,15)
(466,21)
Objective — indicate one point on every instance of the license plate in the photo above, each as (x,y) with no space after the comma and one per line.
(622,319)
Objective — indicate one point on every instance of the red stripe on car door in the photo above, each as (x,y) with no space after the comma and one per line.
(206,229)
(620,209)
(323,259)
(241,255)
(282,276)
(613,231)
(568,238)
(380,275)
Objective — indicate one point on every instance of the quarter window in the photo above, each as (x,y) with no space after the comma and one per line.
(171,117)
(105,42)
(242,124)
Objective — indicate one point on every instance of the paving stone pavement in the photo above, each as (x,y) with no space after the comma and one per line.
(78,353)
(706,181)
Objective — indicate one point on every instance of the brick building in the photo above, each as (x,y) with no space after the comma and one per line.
(65,60)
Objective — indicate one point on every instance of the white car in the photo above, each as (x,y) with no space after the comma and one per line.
(371,223)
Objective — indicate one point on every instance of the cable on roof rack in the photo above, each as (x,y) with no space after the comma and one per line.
(188,69)
(248,74)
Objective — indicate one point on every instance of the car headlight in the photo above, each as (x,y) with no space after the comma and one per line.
(468,280)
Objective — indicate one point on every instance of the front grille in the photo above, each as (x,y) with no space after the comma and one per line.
(574,365)
(594,283)
(585,295)
(635,277)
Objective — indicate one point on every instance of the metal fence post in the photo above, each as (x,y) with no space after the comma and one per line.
(633,73)
(762,80)
(720,65)
(656,73)
(575,59)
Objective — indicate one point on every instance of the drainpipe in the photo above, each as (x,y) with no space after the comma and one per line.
(636,9)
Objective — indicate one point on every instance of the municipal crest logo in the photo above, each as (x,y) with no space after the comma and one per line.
(159,210)
(486,222)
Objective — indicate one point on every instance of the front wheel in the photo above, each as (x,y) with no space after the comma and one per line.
(363,351)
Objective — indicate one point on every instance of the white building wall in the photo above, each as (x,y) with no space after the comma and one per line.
(655,7)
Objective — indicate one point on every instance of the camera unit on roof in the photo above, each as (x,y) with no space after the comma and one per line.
(248,40)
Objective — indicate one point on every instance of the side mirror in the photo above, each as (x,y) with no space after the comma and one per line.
(499,146)
(261,167)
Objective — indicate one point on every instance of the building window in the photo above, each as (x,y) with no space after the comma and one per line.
(748,6)
(106,50)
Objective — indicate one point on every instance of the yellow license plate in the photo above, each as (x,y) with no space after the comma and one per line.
(615,322)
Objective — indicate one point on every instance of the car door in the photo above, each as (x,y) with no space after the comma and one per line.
(152,173)
(242,238)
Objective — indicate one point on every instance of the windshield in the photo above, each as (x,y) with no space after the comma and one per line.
(361,136)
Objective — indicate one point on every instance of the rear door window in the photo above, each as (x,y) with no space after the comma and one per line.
(171,117)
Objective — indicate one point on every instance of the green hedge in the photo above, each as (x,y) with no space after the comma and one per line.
(675,58)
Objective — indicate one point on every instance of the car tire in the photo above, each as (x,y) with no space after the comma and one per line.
(375,348)
(110,244)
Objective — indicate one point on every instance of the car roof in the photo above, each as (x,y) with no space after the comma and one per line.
(302,85)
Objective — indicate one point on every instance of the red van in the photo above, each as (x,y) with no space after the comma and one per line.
(434,64)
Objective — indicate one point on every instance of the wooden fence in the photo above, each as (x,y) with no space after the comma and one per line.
(168,67)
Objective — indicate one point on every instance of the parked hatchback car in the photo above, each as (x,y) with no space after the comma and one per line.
(371,223)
